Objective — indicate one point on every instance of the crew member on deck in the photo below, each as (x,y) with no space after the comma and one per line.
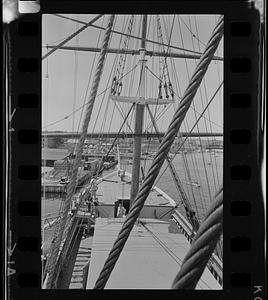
(121,211)
(73,208)
(89,203)
(95,204)
(77,202)
(93,188)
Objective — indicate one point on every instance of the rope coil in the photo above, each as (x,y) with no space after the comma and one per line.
(158,161)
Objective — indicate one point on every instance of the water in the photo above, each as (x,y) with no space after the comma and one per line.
(199,197)
(208,178)
(50,207)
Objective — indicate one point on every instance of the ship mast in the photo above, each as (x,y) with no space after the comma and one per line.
(139,113)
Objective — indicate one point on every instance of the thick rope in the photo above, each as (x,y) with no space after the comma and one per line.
(71,186)
(202,246)
(187,205)
(158,161)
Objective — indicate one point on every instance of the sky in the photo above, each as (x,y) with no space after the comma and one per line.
(67,75)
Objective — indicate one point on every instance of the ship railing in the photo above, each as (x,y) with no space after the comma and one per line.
(51,215)
(214,264)
(183,224)
(86,190)
(215,267)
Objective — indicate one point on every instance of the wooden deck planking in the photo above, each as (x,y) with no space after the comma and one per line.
(150,260)
(108,192)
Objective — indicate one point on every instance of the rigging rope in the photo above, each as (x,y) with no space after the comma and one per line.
(125,119)
(202,155)
(162,244)
(164,110)
(135,37)
(117,84)
(57,227)
(72,184)
(182,144)
(100,138)
(164,147)
(206,94)
(202,246)
(192,34)
(121,76)
(201,197)
(188,174)
(72,36)
(178,184)
(164,74)
(87,88)
(118,107)
(82,106)
(107,87)
(75,81)
(168,87)
(201,115)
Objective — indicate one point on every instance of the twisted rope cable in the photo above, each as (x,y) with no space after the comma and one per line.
(71,186)
(176,179)
(202,246)
(157,162)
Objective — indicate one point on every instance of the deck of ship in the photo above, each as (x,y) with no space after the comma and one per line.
(154,251)
(111,189)
(151,258)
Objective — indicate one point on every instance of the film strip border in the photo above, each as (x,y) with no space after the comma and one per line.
(243,207)
(244,211)
(24,203)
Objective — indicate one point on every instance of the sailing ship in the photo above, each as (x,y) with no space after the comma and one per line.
(118,229)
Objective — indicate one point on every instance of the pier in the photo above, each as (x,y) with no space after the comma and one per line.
(56,187)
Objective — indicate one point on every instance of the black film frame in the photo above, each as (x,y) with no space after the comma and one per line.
(243,231)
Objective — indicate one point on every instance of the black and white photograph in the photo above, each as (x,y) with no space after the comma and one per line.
(132,151)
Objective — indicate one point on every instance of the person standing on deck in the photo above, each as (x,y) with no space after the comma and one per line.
(121,211)
(89,203)
(93,201)
(93,188)
(95,204)
(72,208)
(77,202)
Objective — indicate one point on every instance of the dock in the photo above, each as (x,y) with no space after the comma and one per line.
(55,186)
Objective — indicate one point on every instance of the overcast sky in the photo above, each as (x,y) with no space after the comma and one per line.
(67,74)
